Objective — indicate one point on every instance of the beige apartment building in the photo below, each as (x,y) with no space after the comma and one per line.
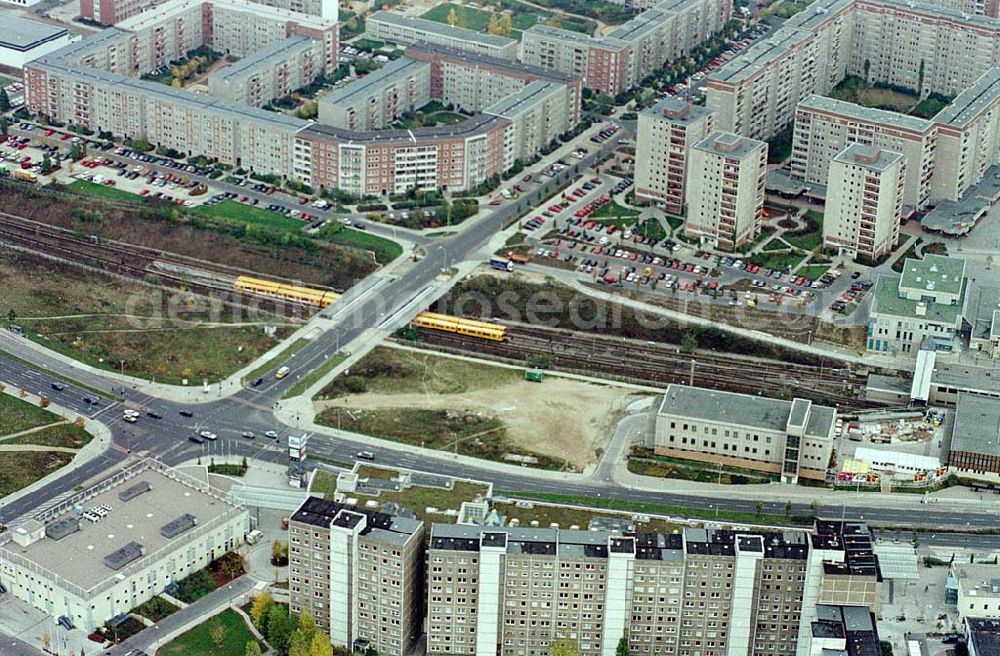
(375,101)
(270,73)
(862,217)
(360,574)
(620,59)
(825,126)
(726,175)
(968,138)
(790,438)
(664,137)
(917,46)
(408,30)
(511,591)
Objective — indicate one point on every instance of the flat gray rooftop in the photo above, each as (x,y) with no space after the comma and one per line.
(677,110)
(977,424)
(759,55)
(79,557)
(850,110)
(440,29)
(971,102)
(729,144)
(956,218)
(253,62)
(869,157)
(507,66)
(524,98)
(967,378)
(374,82)
(23,34)
(741,409)
(471,127)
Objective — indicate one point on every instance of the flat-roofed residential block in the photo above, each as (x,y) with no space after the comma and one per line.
(945,51)
(862,217)
(664,137)
(376,100)
(982,636)
(620,59)
(791,439)
(538,115)
(725,194)
(359,572)
(23,40)
(408,30)
(513,590)
(111,12)
(269,73)
(93,567)
(968,138)
(825,126)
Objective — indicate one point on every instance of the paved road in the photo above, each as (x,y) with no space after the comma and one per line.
(251,408)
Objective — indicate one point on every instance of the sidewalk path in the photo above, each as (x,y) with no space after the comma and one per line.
(29,431)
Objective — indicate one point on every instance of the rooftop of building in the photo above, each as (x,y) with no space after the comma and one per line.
(817,13)
(937,11)
(741,409)
(984,635)
(257,60)
(468,128)
(626,33)
(731,145)
(758,56)
(854,540)
(957,218)
(392,73)
(973,379)
(78,556)
(868,157)
(525,98)
(315,511)
(977,584)
(171,8)
(977,424)
(494,64)
(854,111)
(972,101)
(934,273)
(23,34)
(677,111)
(981,311)
(887,300)
(440,29)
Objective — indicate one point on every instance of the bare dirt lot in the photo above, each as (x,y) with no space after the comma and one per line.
(565,420)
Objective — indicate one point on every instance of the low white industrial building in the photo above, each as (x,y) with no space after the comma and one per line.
(23,40)
(113,546)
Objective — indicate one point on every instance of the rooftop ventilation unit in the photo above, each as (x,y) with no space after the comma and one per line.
(62,528)
(134,491)
(183,523)
(118,559)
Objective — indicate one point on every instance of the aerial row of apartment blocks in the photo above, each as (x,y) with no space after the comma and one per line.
(620,60)
(377,580)
(112,12)
(910,45)
(94,83)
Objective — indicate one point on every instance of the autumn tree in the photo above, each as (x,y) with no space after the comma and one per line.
(217,632)
(261,605)
(302,638)
(253,649)
(506,25)
(320,646)
(564,647)
(494,25)
(453,17)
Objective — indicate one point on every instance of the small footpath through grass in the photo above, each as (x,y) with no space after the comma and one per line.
(66,436)
(17,415)
(203,640)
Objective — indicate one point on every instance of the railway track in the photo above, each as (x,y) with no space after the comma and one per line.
(136,262)
(659,364)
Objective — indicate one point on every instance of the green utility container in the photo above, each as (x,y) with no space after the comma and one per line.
(533,376)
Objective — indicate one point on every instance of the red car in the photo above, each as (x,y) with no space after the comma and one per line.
(49,132)
(555,208)
(64,137)
(303,200)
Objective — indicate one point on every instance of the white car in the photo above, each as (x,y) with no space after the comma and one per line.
(129,412)
(209,435)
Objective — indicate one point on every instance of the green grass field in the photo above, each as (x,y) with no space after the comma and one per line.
(103,191)
(813,271)
(385,250)
(232,639)
(66,435)
(18,470)
(468,17)
(230,210)
(778,261)
(17,415)
(615,211)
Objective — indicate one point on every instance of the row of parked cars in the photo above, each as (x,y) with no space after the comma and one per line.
(606,133)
